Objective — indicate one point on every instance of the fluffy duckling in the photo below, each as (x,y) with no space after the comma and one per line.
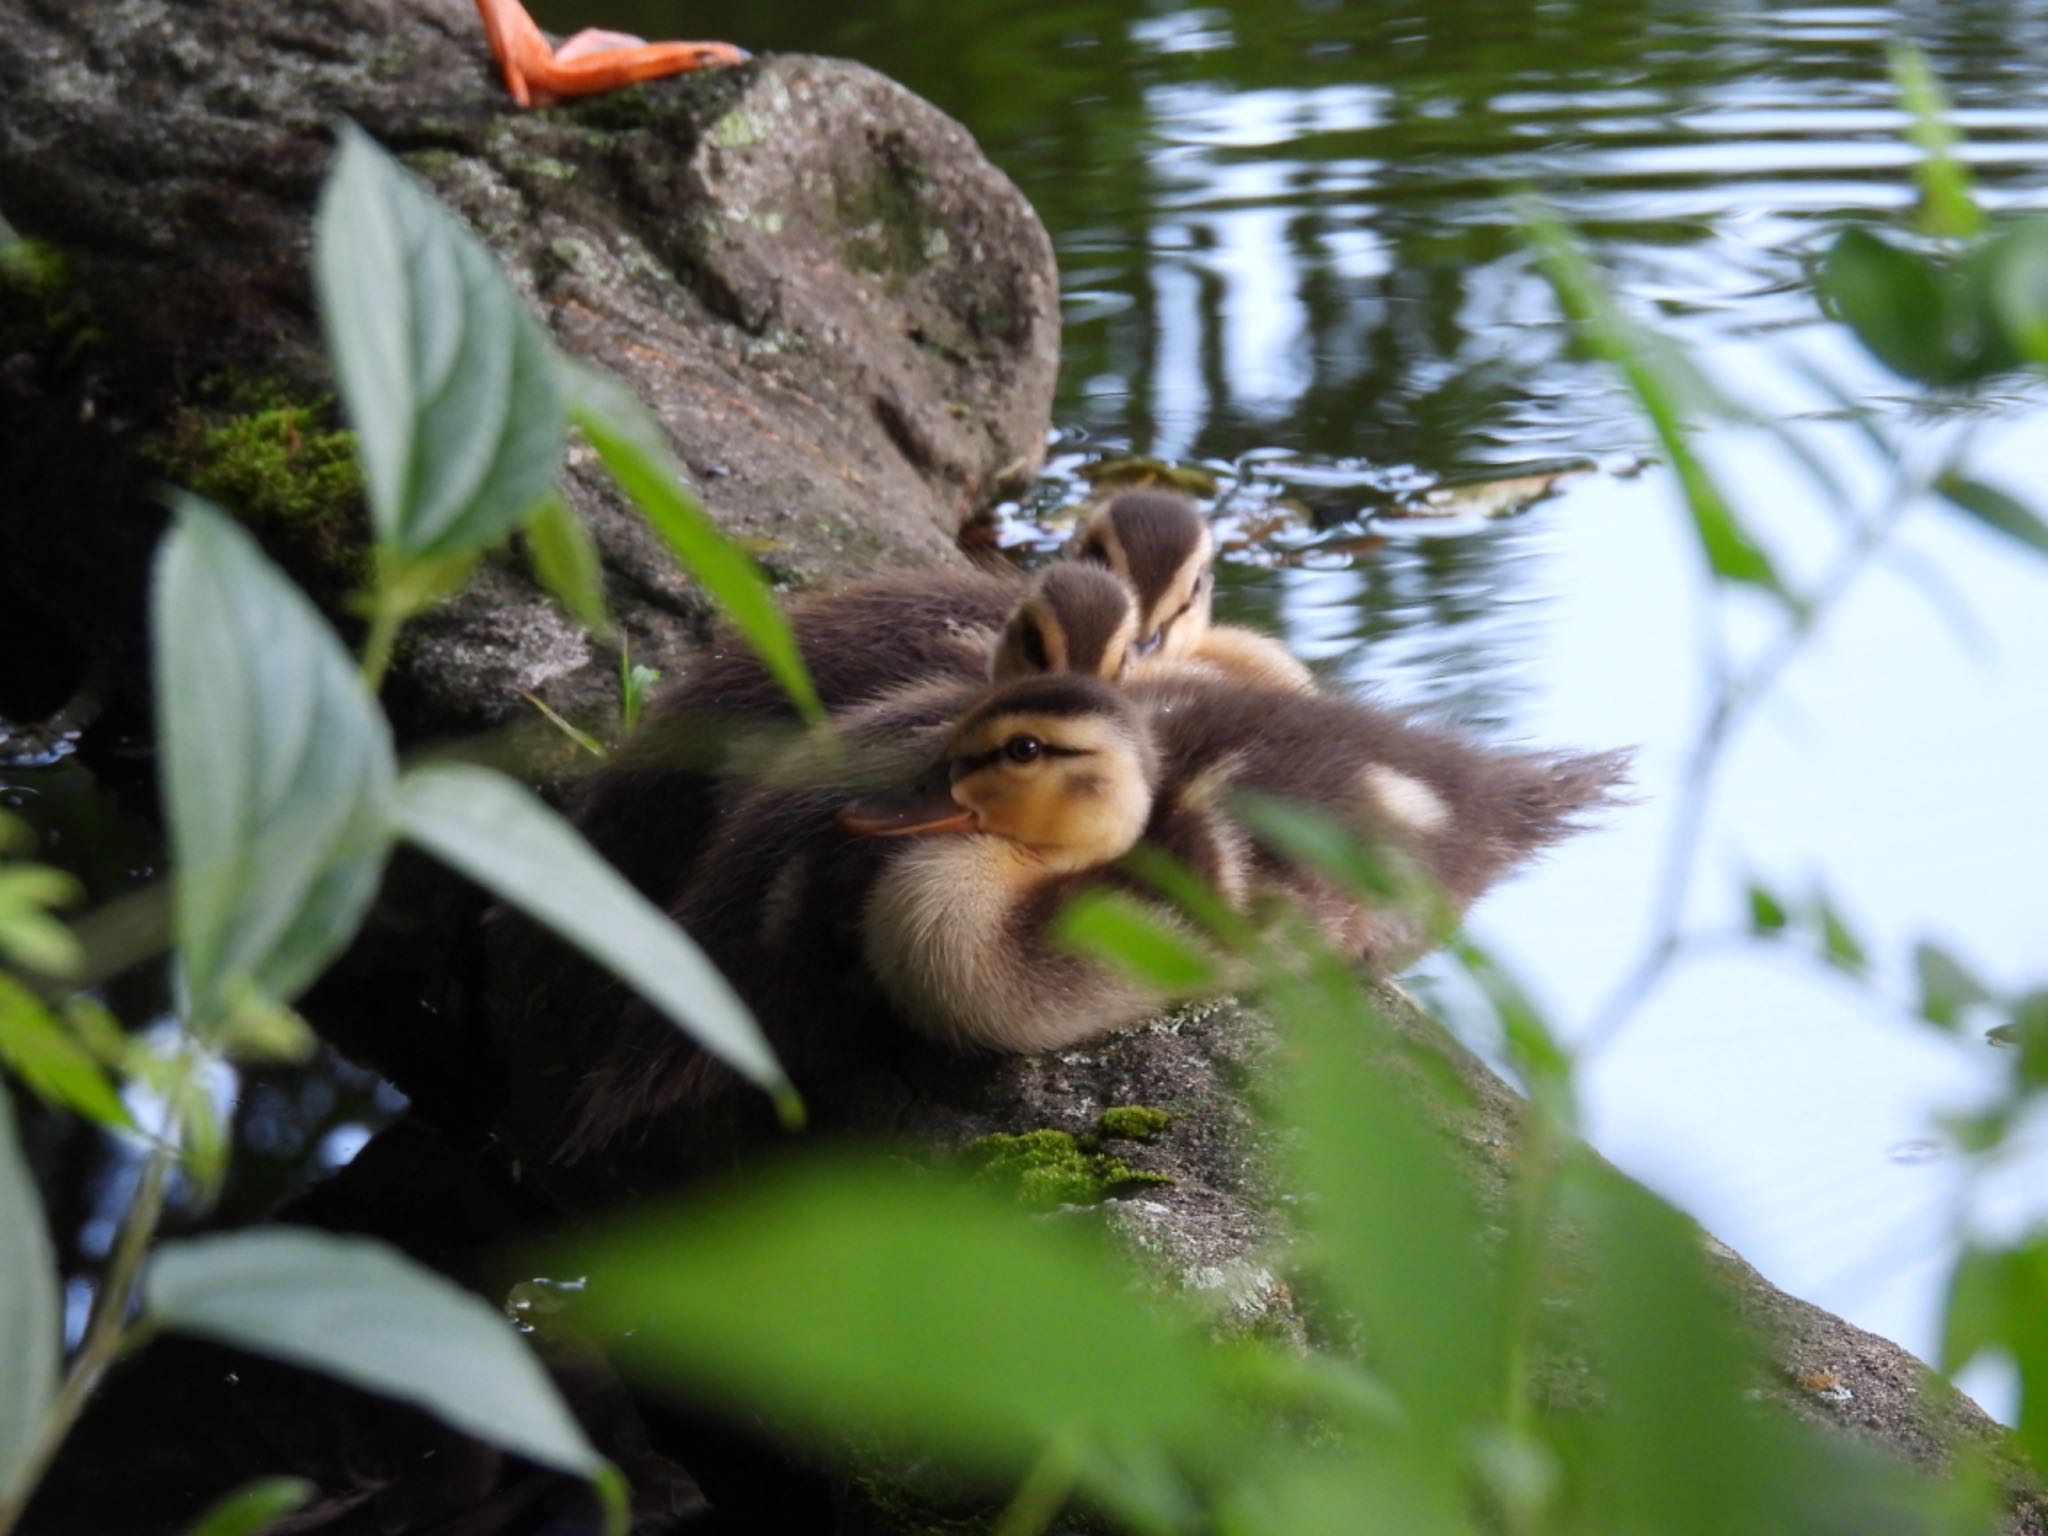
(1056,778)
(647,811)
(1159,543)
(935,911)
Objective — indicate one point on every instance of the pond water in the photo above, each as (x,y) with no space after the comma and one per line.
(1289,254)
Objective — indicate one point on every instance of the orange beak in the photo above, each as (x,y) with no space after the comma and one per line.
(910,816)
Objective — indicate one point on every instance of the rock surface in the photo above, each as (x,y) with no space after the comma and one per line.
(847,319)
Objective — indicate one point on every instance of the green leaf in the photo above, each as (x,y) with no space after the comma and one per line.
(565,560)
(635,683)
(1995,509)
(45,1056)
(1383,1194)
(1947,208)
(258,1028)
(2028,1029)
(29,936)
(277,768)
(1666,388)
(254,1507)
(1947,986)
(1898,304)
(1974,1318)
(634,449)
(1766,912)
(29,1316)
(506,840)
(451,387)
(871,1294)
(367,1315)
(1839,945)
(2012,270)
(1138,940)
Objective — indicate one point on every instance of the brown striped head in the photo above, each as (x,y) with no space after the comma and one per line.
(1073,618)
(1061,766)
(1160,544)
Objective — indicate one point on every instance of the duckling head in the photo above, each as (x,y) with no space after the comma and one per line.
(1161,545)
(1072,618)
(1062,767)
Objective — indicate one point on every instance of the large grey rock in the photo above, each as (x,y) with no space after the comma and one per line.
(846,318)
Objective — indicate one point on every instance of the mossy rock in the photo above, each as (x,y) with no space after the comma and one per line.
(283,465)
(1050,1168)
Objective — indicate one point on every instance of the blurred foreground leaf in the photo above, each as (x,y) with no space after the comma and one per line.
(40,1051)
(367,1315)
(29,1317)
(1678,1445)
(1997,1300)
(1995,509)
(503,837)
(1128,936)
(277,768)
(449,383)
(869,1294)
(1947,986)
(1947,206)
(635,450)
(254,1507)
(565,561)
(1667,388)
(1394,1218)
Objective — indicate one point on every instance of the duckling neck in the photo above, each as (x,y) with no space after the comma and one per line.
(954,931)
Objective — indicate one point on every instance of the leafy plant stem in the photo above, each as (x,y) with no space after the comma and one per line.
(1042,1494)
(1734,698)
(1522,1270)
(385,618)
(108,1333)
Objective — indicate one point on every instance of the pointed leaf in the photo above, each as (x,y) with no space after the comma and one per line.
(634,449)
(1666,387)
(448,382)
(906,1305)
(367,1315)
(565,561)
(2013,269)
(277,768)
(1895,302)
(45,1056)
(254,1507)
(506,840)
(1947,207)
(29,1316)
(1134,938)
(1947,986)
(1766,911)
(1995,509)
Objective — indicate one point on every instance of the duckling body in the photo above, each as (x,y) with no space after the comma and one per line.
(1159,543)
(1007,804)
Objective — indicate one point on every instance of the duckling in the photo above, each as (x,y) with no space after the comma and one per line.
(934,912)
(1055,778)
(646,811)
(1159,543)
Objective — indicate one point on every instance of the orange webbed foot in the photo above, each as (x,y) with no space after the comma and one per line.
(591,62)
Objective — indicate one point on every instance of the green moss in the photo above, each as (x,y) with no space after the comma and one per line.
(885,228)
(282,466)
(1132,1122)
(1050,1168)
(41,309)
(737,129)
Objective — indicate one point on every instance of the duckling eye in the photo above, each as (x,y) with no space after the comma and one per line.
(1023,749)
(1034,652)
(1150,643)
